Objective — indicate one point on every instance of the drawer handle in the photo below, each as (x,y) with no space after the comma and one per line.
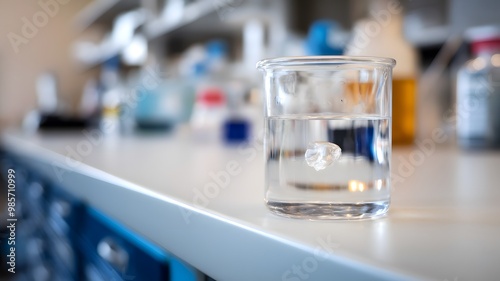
(36,190)
(112,252)
(62,208)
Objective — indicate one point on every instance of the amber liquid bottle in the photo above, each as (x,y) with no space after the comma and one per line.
(389,42)
(403,110)
(403,106)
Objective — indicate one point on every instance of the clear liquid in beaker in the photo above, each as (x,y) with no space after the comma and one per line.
(308,177)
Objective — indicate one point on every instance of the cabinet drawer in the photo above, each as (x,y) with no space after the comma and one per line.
(64,212)
(109,246)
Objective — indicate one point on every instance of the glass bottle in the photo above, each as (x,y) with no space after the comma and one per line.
(478,91)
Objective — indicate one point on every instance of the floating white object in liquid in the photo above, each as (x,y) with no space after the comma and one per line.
(321,154)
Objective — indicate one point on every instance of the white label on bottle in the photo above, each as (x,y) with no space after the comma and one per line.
(472,107)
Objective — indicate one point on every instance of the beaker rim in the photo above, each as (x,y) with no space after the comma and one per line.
(323,61)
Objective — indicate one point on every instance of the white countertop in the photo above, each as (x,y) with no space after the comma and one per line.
(444,221)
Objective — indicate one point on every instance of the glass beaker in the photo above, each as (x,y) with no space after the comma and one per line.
(328,136)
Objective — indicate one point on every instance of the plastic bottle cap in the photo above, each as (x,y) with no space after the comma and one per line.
(216,49)
(318,41)
(483,38)
(211,96)
(486,45)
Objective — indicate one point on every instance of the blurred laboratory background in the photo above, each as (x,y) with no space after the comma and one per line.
(164,67)
(153,65)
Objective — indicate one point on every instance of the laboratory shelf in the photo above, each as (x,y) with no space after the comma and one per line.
(105,55)
(201,18)
(103,11)
(191,13)
(204,204)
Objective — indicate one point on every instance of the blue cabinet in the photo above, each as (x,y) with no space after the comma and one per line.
(111,249)
(63,213)
(62,238)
